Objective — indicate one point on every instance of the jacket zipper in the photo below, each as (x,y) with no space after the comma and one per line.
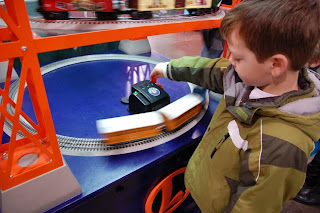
(226,136)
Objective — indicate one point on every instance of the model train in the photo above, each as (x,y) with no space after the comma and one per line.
(110,9)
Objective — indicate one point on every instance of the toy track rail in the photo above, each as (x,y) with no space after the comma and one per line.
(96,146)
(38,23)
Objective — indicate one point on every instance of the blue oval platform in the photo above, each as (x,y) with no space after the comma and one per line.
(81,93)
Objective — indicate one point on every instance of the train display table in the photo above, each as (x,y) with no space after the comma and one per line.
(113,178)
(78,97)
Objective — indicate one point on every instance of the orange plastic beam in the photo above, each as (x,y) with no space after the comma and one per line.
(5,34)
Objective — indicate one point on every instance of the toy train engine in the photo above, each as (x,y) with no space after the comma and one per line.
(110,9)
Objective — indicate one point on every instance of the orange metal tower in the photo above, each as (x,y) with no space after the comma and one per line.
(17,42)
(25,158)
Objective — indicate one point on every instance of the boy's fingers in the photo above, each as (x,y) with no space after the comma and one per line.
(155,73)
(158,70)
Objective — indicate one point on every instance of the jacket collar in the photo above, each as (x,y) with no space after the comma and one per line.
(238,104)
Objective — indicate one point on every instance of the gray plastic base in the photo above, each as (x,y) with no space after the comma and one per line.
(135,47)
(41,193)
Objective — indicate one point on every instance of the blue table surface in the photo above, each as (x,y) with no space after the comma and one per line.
(96,173)
(82,93)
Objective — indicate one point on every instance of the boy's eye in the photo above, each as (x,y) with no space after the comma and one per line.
(235,59)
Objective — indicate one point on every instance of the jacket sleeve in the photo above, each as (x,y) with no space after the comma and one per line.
(278,178)
(205,72)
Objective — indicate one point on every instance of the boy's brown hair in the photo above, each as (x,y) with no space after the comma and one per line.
(269,27)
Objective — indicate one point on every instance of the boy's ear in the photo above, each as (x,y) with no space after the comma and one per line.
(279,64)
(315,63)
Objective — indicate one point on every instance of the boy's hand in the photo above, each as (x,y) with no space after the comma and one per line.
(158,71)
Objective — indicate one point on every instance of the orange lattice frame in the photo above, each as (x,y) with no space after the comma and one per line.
(17,42)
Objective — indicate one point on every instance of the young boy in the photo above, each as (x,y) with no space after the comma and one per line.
(253,156)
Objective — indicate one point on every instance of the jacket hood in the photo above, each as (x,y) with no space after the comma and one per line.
(300,108)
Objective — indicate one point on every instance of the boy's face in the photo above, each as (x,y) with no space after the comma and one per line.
(245,63)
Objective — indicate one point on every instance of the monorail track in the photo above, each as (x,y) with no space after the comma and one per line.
(96,146)
(90,24)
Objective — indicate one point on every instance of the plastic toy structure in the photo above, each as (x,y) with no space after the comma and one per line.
(33,167)
(109,10)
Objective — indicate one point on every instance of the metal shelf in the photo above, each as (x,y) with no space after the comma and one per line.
(102,32)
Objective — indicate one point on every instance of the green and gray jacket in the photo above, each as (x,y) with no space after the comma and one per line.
(253,156)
